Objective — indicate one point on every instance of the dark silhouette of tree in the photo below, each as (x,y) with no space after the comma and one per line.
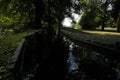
(51,12)
(104,7)
(39,14)
(39,8)
(116,13)
(55,12)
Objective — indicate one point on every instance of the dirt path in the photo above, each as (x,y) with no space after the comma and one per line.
(104,38)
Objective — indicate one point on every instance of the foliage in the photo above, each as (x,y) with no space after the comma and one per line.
(96,14)
(91,17)
(10,17)
(90,20)
(5,74)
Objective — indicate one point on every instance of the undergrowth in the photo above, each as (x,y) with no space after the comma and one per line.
(9,40)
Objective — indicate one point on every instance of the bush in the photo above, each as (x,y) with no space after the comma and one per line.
(90,20)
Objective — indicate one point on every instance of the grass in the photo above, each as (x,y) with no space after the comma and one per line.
(8,44)
(102,32)
(105,38)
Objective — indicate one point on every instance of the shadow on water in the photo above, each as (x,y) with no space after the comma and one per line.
(87,64)
(64,60)
(44,60)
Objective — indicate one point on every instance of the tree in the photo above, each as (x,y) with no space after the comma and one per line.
(16,14)
(91,17)
(96,13)
(39,8)
(104,7)
(116,13)
(39,12)
(57,10)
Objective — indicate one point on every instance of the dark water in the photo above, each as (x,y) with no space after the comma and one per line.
(87,64)
(82,64)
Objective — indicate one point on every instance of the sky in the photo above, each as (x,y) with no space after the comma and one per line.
(67,22)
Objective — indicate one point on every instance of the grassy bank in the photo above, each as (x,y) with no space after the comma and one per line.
(9,40)
(104,38)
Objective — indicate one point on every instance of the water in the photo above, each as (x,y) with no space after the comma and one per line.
(87,64)
(73,65)
(31,73)
(84,64)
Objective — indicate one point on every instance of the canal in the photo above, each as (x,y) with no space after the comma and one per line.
(63,59)
(86,64)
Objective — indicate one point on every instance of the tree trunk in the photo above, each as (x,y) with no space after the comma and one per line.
(38,13)
(49,17)
(59,29)
(104,14)
(118,22)
(103,24)
(50,29)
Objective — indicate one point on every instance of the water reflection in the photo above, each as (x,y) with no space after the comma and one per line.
(73,65)
(118,73)
(31,73)
(87,64)
(84,64)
